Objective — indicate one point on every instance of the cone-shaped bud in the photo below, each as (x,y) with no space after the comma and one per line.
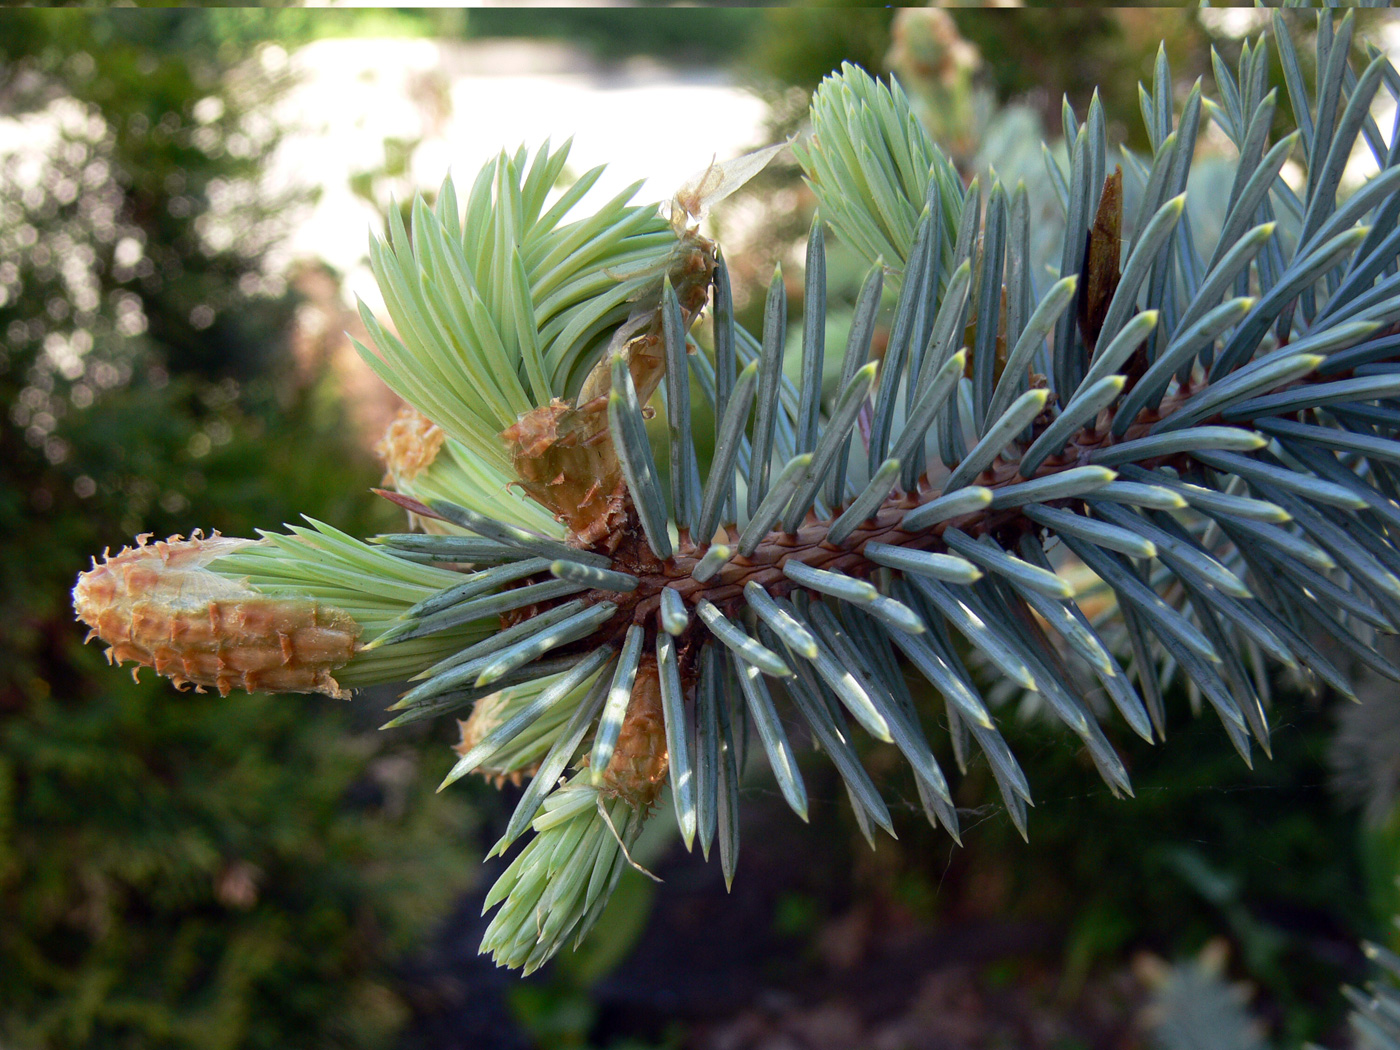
(158,604)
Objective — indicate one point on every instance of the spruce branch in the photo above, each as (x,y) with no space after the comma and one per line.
(1183,455)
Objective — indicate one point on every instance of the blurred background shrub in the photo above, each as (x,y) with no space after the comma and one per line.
(175,870)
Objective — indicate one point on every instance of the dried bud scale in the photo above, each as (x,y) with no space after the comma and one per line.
(1120,425)
(637,772)
(487,716)
(409,446)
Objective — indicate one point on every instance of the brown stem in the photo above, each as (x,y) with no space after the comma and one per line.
(630,553)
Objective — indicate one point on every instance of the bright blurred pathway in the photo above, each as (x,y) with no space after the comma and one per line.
(469,100)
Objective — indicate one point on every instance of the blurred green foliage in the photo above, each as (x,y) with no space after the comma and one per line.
(797,46)
(673,35)
(175,871)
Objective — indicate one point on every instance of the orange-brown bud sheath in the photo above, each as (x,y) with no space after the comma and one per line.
(157,604)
